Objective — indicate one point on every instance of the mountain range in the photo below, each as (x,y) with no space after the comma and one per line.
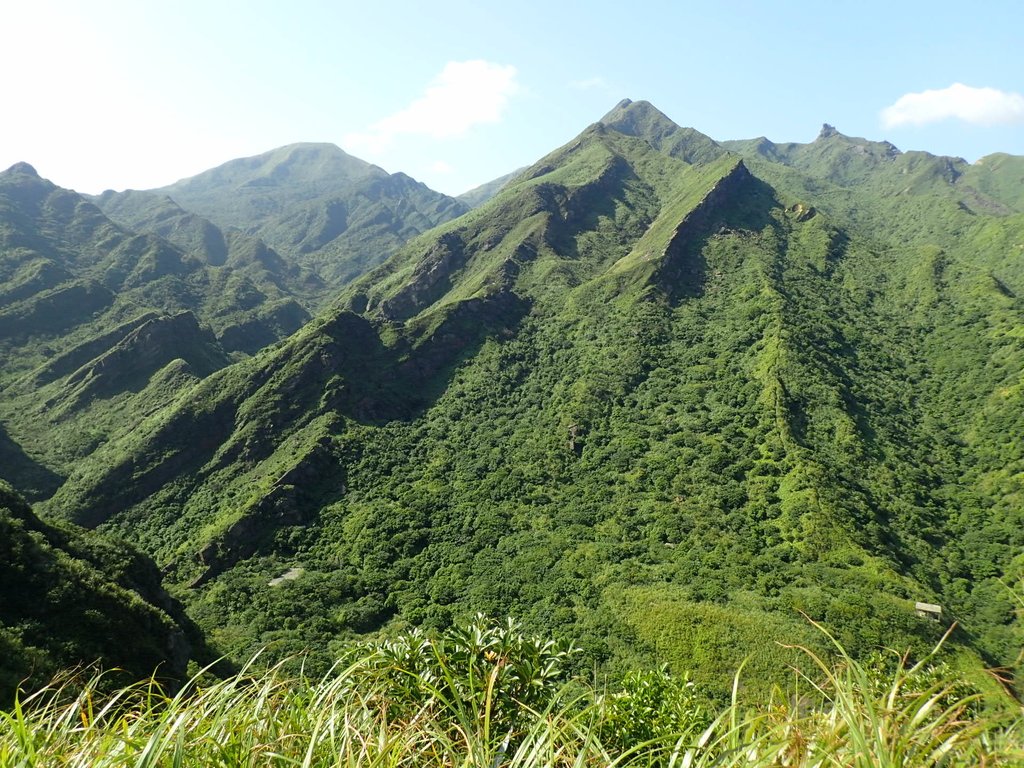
(666,395)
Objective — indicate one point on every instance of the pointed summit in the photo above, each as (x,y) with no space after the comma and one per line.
(645,121)
(638,118)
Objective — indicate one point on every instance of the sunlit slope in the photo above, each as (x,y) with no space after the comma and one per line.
(652,373)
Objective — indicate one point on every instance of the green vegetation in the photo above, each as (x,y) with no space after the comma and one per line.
(89,285)
(486,695)
(660,395)
(72,597)
(331,213)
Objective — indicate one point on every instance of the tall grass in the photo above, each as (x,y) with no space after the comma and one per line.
(442,704)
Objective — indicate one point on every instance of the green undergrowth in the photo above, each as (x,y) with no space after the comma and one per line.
(486,694)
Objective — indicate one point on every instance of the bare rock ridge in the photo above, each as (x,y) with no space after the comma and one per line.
(827,131)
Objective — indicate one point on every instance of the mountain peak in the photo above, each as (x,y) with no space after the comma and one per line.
(645,121)
(23,168)
(827,131)
(298,165)
(637,118)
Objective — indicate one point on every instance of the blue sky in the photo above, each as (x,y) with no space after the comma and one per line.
(137,94)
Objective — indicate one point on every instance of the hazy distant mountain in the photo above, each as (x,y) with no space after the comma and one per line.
(317,205)
(659,392)
(477,196)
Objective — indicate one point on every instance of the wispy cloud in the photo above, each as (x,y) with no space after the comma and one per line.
(440,166)
(463,95)
(590,84)
(980,106)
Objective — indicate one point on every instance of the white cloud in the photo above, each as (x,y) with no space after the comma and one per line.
(440,166)
(464,94)
(980,106)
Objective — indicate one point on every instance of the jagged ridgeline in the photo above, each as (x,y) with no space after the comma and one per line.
(660,394)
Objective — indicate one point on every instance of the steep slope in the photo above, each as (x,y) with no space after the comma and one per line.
(91,312)
(70,597)
(322,208)
(652,394)
(477,196)
(1001,177)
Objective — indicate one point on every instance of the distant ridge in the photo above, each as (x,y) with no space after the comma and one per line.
(324,209)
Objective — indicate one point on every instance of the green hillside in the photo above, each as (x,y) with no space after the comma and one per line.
(99,323)
(71,597)
(110,305)
(660,394)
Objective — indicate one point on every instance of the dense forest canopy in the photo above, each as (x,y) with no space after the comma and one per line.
(663,395)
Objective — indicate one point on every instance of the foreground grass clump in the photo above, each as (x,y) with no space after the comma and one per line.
(487,695)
